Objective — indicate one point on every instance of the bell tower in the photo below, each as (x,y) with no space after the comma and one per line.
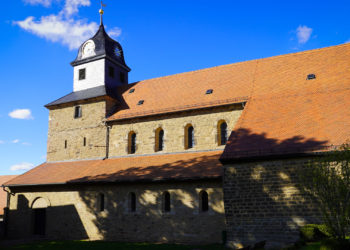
(100,62)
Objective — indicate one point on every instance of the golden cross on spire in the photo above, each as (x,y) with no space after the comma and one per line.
(101,11)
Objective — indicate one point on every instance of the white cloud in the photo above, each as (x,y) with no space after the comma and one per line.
(115,32)
(63,27)
(26,144)
(25,114)
(22,166)
(15,141)
(303,34)
(45,3)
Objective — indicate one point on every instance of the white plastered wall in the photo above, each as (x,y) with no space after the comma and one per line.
(94,76)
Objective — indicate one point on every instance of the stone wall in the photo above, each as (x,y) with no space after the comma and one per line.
(263,201)
(64,127)
(204,123)
(73,212)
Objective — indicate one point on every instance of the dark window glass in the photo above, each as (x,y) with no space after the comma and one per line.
(77,112)
(65,144)
(131,91)
(311,76)
(223,133)
(102,202)
(140,102)
(84,143)
(122,77)
(132,143)
(209,91)
(82,74)
(111,72)
(160,140)
(190,137)
(166,202)
(132,202)
(204,201)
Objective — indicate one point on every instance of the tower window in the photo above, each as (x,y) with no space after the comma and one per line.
(132,202)
(82,74)
(101,198)
(166,202)
(122,77)
(84,142)
(111,72)
(311,76)
(65,144)
(132,143)
(159,140)
(203,201)
(222,132)
(189,136)
(77,112)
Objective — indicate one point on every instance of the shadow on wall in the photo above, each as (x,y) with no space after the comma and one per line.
(43,221)
(263,198)
(150,222)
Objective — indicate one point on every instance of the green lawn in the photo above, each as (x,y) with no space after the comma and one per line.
(99,245)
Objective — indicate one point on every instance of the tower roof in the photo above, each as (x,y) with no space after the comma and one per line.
(104,47)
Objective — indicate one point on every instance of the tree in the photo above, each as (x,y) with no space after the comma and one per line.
(327,179)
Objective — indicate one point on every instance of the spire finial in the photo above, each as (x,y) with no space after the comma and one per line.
(101,12)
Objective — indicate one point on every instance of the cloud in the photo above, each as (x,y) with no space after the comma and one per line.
(24,114)
(22,166)
(303,34)
(15,141)
(26,144)
(46,3)
(115,32)
(63,27)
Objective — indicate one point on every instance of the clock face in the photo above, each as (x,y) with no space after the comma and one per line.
(88,49)
(117,52)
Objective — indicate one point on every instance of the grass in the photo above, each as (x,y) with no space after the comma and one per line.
(100,245)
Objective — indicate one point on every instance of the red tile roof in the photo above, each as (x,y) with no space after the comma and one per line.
(181,166)
(3,194)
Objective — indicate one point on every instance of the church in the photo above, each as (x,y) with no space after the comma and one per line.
(201,157)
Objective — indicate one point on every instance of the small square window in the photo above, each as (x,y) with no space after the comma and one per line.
(209,91)
(77,112)
(111,72)
(311,76)
(82,74)
(122,77)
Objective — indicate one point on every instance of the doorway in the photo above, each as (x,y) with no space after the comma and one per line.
(39,221)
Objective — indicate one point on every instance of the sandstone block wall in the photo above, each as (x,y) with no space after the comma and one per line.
(263,201)
(204,123)
(73,212)
(63,126)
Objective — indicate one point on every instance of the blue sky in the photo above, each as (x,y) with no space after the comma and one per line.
(39,39)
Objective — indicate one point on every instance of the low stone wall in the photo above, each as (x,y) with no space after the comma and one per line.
(263,202)
(74,213)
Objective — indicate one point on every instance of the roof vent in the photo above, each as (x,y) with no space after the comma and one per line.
(209,91)
(131,91)
(311,76)
(140,102)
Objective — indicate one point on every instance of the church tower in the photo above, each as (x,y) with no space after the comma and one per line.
(76,121)
(100,61)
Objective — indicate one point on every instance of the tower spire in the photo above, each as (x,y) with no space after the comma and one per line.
(101,11)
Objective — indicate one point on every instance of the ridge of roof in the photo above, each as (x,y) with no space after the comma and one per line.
(246,61)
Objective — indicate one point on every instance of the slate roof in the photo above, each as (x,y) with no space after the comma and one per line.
(80,95)
(3,194)
(181,166)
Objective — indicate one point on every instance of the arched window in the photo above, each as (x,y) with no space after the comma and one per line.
(159,144)
(132,143)
(222,132)
(189,136)
(132,202)
(101,201)
(203,201)
(166,202)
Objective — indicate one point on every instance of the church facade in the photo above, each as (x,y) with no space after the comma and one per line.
(197,157)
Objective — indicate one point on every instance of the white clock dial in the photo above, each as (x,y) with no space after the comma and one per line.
(88,49)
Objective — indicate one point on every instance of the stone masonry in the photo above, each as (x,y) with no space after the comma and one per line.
(263,201)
